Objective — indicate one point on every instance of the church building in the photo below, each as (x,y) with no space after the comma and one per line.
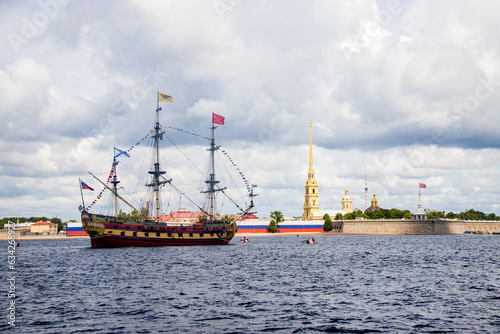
(346,203)
(311,203)
(374,206)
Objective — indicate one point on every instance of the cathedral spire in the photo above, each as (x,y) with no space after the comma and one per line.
(310,146)
(311,168)
(311,205)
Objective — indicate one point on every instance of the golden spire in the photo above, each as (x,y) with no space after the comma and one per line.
(311,205)
(311,170)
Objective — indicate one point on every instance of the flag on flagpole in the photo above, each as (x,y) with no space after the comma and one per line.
(422,185)
(217,119)
(164,97)
(86,186)
(120,152)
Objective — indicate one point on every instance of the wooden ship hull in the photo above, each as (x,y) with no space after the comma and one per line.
(106,232)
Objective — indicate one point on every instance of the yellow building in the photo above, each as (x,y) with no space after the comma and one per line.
(374,205)
(43,227)
(311,204)
(346,203)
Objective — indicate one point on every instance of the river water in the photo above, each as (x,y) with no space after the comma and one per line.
(277,284)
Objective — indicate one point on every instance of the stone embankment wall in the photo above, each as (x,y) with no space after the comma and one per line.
(389,226)
(482,227)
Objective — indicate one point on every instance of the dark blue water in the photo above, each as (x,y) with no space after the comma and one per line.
(343,284)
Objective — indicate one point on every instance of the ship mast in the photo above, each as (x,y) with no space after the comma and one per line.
(212,181)
(157,172)
(115,185)
(114,192)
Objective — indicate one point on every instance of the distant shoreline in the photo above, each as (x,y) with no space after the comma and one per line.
(59,237)
(36,237)
(50,237)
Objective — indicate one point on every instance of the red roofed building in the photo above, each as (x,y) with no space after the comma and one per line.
(180,216)
(192,216)
(184,216)
(43,227)
(250,217)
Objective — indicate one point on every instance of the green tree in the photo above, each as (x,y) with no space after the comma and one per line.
(350,216)
(122,214)
(12,219)
(395,214)
(377,214)
(58,222)
(474,215)
(134,214)
(451,215)
(277,216)
(272,227)
(355,214)
(385,213)
(328,225)
(227,218)
(339,216)
(143,212)
(435,214)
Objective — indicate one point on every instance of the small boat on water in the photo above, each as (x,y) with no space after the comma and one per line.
(310,241)
(211,228)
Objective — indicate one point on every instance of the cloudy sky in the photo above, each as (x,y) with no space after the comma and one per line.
(409,89)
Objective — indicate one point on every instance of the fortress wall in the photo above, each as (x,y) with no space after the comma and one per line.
(389,226)
(484,227)
(448,226)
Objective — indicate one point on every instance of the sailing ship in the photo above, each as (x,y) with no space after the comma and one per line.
(210,228)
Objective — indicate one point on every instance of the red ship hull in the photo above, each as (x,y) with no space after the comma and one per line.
(107,232)
(118,241)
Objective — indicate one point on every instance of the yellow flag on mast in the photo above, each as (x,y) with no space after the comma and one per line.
(164,97)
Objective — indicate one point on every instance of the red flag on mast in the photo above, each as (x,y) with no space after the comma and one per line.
(217,119)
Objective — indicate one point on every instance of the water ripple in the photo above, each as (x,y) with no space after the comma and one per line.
(277,284)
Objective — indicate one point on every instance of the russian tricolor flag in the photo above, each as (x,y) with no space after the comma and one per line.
(86,186)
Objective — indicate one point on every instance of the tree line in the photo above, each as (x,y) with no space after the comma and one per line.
(277,216)
(55,220)
(406,214)
(465,215)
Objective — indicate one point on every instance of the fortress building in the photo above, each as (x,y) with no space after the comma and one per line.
(374,206)
(346,203)
(420,214)
(311,202)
